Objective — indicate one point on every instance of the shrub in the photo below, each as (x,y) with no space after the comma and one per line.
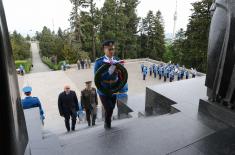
(26,63)
(52,66)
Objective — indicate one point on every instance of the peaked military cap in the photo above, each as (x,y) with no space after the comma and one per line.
(27,89)
(108,43)
(88,82)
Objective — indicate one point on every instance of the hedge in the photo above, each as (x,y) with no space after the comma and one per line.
(52,66)
(27,64)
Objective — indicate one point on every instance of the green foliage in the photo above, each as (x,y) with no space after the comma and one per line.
(134,38)
(20,47)
(168,55)
(151,39)
(60,45)
(178,47)
(190,47)
(25,63)
(52,66)
(47,42)
(28,38)
(119,21)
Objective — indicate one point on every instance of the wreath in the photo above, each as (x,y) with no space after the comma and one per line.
(120,71)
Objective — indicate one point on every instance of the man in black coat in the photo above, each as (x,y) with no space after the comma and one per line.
(68,107)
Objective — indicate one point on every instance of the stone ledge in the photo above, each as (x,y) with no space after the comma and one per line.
(217,111)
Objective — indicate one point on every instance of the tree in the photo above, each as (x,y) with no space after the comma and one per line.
(47,42)
(178,46)
(158,32)
(20,47)
(90,21)
(28,37)
(152,36)
(108,20)
(119,21)
(75,21)
(128,27)
(196,42)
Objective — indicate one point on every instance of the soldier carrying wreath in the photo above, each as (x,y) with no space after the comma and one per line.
(110,78)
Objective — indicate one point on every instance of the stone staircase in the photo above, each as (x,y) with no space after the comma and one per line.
(147,135)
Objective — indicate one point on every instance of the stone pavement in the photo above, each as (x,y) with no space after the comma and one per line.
(135,82)
(38,65)
(48,85)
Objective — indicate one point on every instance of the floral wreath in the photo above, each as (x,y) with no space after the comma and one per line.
(115,87)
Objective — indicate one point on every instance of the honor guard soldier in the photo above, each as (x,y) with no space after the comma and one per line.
(186,74)
(155,70)
(179,75)
(160,72)
(171,75)
(150,70)
(108,78)
(165,74)
(182,72)
(145,72)
(89,102)
(31,102)
(142,67)
(194,72)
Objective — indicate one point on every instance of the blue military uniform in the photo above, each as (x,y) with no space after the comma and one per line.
(142,68)
(150,70)
(108,101)
(171,75)
(106,77)
(165,74)
(155,70)
(179,75)
(32,102)
(160,72)
(186,74)
(182,74)
(145,72)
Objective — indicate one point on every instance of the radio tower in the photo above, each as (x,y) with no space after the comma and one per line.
(175,20)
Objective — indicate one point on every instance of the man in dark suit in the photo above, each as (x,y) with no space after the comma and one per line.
(68,107)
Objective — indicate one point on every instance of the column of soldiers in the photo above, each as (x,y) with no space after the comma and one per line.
(167,72)
(84,64)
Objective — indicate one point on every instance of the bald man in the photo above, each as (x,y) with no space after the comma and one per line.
(68,107)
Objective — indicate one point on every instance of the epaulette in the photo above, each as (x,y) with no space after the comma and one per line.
(116,58)
(98,59)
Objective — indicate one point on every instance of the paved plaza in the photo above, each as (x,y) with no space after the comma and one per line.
(48,84)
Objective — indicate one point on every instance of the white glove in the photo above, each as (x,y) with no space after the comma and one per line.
(111,69)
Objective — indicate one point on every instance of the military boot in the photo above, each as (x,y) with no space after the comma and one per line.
(93,120)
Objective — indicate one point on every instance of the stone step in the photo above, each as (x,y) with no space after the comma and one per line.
(38,144)
(148,135)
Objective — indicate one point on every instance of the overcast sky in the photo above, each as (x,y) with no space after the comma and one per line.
(27,15)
